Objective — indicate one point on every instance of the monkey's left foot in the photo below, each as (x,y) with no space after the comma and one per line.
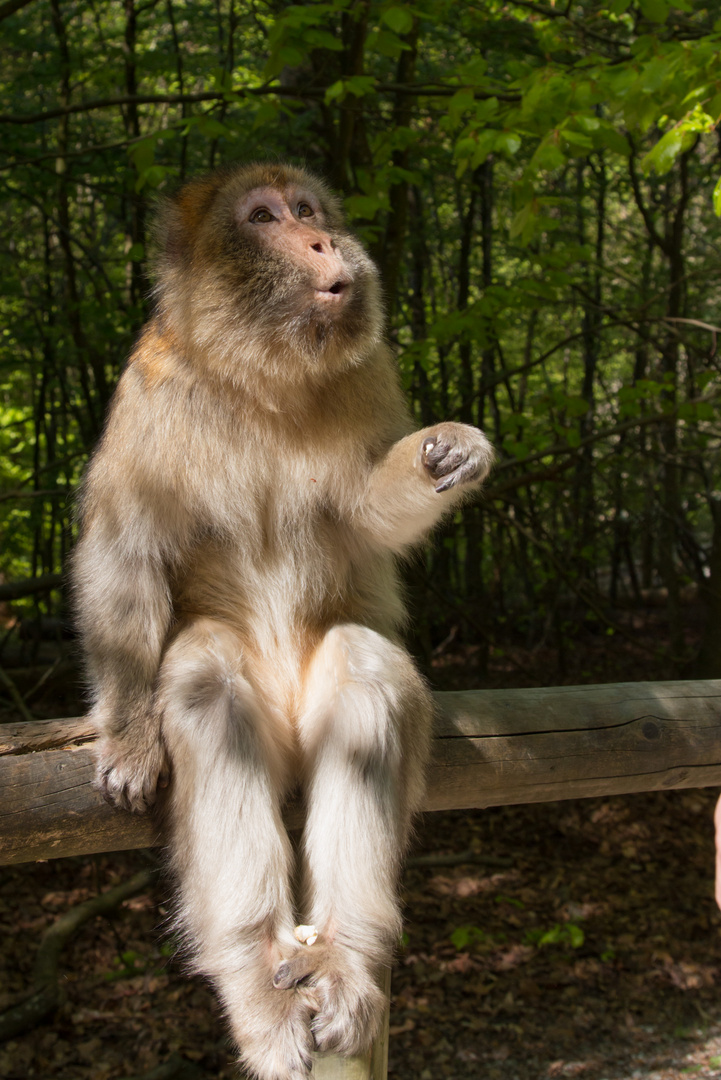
(346,999)
(349,1004)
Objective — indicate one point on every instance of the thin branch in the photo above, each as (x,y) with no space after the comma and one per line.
(46,995)
(420,90)
(655,236)
(606,433)
(14,590)
(11,6)
(460,858)
(49,493)
(15,695)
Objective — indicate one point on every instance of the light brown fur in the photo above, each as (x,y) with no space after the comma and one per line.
(240,608)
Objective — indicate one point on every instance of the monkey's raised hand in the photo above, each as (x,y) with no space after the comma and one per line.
(130,769)
(455,454)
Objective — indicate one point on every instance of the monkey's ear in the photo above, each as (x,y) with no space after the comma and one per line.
(179,218)
(170,245)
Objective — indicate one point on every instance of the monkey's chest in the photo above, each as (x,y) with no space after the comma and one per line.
(276,578)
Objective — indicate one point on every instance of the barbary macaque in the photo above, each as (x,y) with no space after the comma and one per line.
(240,606)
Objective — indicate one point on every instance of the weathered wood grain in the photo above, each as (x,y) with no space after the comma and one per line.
(492,747)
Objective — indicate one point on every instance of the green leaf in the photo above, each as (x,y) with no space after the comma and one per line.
(507,142)
(576,935)
(152,177)
(576,138)
(387,44)
(560,934)
(266,113)
(290,56)
(548,154)
(521,220)
(142,154)
(717,198)
(575,406)
(655,11)
(212,128)
(613,140)
(363,206)
(136,252)
(618,7)
(667,150)
(360,85)
(462,101)
(335,91)
(467,935)
(474,70)
(465,147)
(399,19)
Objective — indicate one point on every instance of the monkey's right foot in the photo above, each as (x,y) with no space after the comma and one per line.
(128,775)
(275,1039)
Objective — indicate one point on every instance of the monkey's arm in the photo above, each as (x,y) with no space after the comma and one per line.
(422,477)
(131,536)
(125,610)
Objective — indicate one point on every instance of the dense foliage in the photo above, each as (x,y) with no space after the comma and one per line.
(537,182)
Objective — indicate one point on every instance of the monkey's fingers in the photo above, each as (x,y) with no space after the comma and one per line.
(468,472)
(442,458)
(434,451)
(296,968)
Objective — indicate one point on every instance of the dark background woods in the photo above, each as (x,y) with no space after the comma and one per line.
(538,183)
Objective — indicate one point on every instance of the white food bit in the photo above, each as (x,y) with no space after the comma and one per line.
(307,935)
(428,445)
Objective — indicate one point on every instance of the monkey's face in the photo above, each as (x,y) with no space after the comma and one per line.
(301,280)
(273,285)
(290,227)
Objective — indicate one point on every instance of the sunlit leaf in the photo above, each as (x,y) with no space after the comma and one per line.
(399,19)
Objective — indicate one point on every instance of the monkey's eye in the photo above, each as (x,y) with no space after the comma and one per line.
(261,216)
(304,210)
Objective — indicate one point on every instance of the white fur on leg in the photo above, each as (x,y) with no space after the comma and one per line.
(230,850)
(364,730)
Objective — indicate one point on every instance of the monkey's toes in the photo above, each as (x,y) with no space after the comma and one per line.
(276,1043)
(349,1010)
(294,970)
(136,794)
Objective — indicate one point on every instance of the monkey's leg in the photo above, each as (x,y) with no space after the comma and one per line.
(229,848)
(365,730)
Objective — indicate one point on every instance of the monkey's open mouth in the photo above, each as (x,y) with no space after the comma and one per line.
(337,289)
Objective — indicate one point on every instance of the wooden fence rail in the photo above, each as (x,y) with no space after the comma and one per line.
(491,748)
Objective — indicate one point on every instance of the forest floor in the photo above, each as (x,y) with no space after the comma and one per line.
(582,941)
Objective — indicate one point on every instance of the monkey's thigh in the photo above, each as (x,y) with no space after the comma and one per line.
(229,849)
(364,729)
